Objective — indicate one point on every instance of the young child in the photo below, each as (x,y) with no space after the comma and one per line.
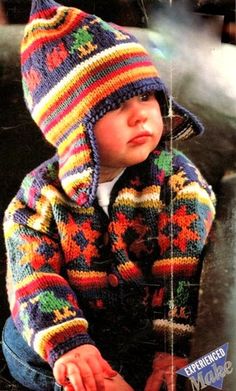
(104,240)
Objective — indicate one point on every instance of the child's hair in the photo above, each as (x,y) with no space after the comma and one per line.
(75,68)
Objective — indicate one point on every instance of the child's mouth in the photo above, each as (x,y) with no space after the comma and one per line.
(140,138)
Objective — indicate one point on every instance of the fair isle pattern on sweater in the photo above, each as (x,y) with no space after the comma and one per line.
(61,256)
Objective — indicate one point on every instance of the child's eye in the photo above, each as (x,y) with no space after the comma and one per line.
(146,96)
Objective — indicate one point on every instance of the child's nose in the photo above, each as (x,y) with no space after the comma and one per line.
(137,113)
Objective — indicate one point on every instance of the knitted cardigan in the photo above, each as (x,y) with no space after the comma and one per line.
(67,262)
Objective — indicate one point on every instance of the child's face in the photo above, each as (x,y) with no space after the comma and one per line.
(127,135)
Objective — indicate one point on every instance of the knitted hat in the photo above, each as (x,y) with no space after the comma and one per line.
(75,68)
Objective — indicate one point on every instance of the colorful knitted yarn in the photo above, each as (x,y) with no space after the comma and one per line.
(75,68)
(67,264)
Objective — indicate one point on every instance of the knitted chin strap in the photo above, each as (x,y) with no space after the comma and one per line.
(75,68)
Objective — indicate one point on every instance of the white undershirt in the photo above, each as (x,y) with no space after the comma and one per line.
(104,192)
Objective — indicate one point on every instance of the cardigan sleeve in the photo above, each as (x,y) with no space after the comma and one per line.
(183,223)
(43,305)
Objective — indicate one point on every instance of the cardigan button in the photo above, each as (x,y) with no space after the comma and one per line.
(113,280)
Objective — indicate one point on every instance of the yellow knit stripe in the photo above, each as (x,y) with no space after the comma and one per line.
(54,26)
(91,279)
(43,338)
(71,138)
(70,181)
(80,71)
(147,198)
(177,264)
(194,191)
(165,326)
(55,197)
(27,280)
(75,160)
(129,269)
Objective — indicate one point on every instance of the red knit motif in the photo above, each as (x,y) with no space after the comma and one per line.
(33,78)
(183,232)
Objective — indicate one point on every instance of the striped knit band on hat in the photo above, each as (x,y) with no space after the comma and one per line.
(75,68)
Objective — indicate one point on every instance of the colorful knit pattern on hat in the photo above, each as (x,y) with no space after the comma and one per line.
(75,68)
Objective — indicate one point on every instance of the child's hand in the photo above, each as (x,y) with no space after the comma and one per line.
(82,369)
(164,366)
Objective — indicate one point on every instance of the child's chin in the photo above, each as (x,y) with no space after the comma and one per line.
(138,159)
